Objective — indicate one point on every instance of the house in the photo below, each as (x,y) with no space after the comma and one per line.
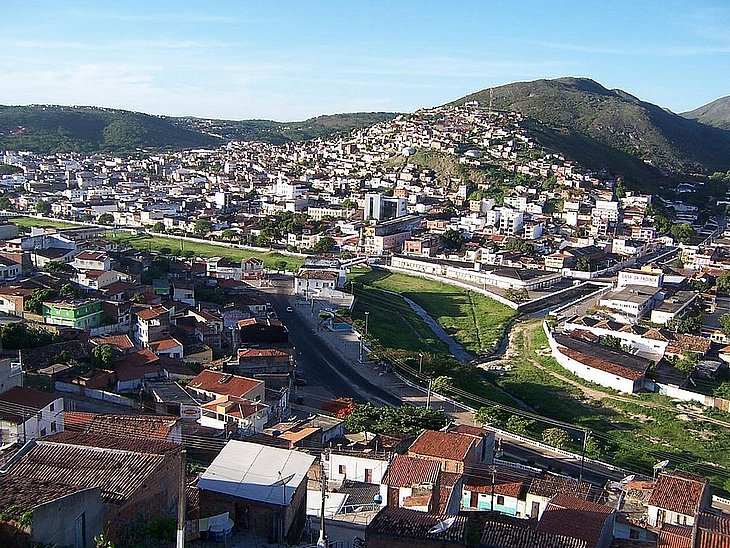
(152,324)
(27,413)
(94,280)
(501,492)
(210,385)
(9,269)
(411,482)
(222,268)
(257,360)
(402,527)
(235,415)
(92,260)
(268,495)
(139,478)
(602,365)
(630,303)
(12,300)
(11,374)
(500,531)
(33,510)
(575,517)
(453,450)
(170,347)
(542,490)
(678,498)
(131,370)
(261,330)
(355,466)
(712,530)
(76,313)
(317,282)
(183,292)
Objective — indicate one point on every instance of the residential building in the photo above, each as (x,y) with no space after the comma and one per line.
(77,313)
(403,527)
(11,374)
(268,495)
(152,324)
(26,414)
(678,498)
(210,385)
(411,482)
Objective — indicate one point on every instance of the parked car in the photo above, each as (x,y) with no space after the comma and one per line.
(289,309)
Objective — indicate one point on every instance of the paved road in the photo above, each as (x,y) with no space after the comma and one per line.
(322,366)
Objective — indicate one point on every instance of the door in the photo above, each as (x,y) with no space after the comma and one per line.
(535,510)
(368,475)
(393,501)
(474,501)
(80,531)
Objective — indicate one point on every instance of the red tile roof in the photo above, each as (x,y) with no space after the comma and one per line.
(674,536)
(603,365)
(483,484)
(407,471)
(119,342)
(576,518)
(150,313)
(401,522)
(136,365)
(164,344)
(443,445)
(19,397)
(713,531)
(223,384)
(679,492)
(234,406)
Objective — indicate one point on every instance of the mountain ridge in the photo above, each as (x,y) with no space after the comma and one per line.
(715,113)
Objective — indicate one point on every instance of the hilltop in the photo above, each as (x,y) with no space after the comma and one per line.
(52,128)
(716,113)
(611,129)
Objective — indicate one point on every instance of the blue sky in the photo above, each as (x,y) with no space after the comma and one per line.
(289,60)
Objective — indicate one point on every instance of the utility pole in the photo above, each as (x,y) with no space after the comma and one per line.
(322,541)
(428,396)
(362,337)
(181,500)
(583,454)
(420,363)
(494,470)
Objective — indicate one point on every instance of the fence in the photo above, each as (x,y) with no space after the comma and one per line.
(101,395)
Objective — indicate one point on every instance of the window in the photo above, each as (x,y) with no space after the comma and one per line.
(53,426)
(633,534)
(51,408)
(342,469)
(500,500)
(43,432)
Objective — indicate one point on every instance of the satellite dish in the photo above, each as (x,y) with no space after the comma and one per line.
(442,526)
(283,481)
(661,465)
(626,480)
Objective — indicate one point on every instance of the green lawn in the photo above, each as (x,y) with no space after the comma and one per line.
(155,243)
(27,222)
(472,319)
(628,434)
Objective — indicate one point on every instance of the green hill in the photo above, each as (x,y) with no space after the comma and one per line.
(44,128)
(716,113)
(50,128)
(611,129)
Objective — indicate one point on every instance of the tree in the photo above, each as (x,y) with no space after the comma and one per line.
(487,416)
(519,425)
(5,203)
(683,233)
(139,298)
(723,281)
(619,189)
(453,239)
(700,284)
(228,234)
(442,384)
(583,264)
(158,227)
(519,245)
(103,356)
(662,224)
(42,207)
(165,250)
(280,265)
(34,302)
(324,245)
(611,341)
(22,335)
(202,227)
(556,437)
(687,363)
(106,219)
(406,419)
(516,295)
(68,290)
(59,267)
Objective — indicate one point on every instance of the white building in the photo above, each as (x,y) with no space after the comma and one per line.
(341,466)
(26,414)
(382,208)
(11,375)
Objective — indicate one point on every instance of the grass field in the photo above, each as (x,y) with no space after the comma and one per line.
(27,222)
(633,435)
(474,320)
(155,243)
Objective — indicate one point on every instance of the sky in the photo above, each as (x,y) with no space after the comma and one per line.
(291,60)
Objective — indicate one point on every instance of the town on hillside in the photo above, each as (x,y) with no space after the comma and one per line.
(193,350)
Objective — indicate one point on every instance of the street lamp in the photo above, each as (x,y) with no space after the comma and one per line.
(420,363)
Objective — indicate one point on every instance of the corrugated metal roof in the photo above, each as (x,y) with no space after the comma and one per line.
(256,472)
(119,473)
